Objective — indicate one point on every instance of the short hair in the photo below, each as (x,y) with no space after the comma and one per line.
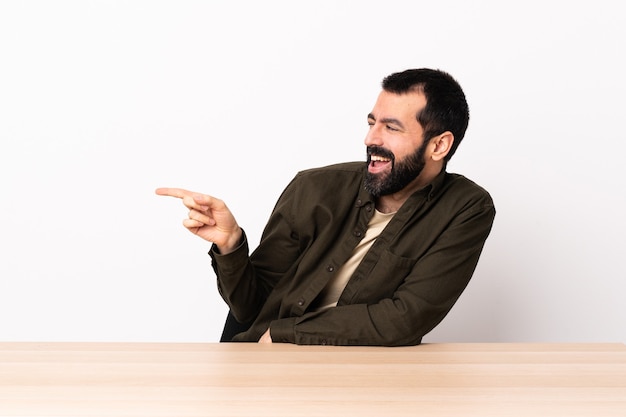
(446,107)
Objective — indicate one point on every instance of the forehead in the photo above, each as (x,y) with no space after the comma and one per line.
(399,106)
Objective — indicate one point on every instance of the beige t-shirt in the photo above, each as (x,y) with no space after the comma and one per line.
(330,294)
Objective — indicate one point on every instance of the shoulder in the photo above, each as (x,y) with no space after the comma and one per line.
(327,183)
(333,175)
(461,182)
(331,188)
(344,168)
(464,191)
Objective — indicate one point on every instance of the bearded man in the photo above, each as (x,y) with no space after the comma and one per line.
(356,253)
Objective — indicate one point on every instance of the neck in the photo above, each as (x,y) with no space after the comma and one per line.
(388,204)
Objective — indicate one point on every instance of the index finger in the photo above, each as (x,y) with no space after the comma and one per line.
(174,192)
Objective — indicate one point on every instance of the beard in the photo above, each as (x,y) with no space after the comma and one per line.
(402,171)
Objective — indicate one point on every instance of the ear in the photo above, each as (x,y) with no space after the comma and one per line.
(442,145)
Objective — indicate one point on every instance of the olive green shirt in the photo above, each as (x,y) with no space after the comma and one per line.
(404,286)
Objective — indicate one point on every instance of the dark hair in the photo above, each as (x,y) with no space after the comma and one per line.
(446,107)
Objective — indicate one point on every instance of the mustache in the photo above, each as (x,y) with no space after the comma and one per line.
(379,151)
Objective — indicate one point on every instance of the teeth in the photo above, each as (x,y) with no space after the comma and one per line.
(379,158)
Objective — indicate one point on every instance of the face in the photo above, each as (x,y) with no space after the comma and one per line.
(395,145)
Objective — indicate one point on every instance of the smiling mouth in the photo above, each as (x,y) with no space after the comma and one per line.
(379,159)
(378,163)
(376,158)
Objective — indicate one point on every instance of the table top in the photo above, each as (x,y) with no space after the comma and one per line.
(246,379)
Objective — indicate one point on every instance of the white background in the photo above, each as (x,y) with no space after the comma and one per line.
(101,102)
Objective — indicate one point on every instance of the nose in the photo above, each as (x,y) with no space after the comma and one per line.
(373,137)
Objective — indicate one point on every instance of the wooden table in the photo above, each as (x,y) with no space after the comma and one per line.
(187,379)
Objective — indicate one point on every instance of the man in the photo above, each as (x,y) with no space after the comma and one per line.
(360,253)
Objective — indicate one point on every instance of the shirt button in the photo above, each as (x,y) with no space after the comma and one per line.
(301,302)
(330,268)
(359,202)
(324,342)
(358,233)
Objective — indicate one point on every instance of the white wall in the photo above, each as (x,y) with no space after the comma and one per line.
(101,102)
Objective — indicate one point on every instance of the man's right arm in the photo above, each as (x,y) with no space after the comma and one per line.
(245,281)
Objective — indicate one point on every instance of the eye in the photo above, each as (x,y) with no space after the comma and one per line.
(393,129)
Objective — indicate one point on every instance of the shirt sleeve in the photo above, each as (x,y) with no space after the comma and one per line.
(245,281)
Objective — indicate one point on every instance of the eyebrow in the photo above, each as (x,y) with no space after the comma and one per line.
(387,120)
